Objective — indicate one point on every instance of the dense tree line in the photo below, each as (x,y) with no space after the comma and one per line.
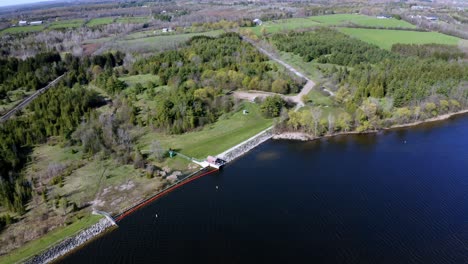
(326,45)
(376,72)
(199,77)
(31,74)
(378,88)
(438,51)
(55,113)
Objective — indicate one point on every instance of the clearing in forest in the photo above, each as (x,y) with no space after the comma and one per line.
(386,38)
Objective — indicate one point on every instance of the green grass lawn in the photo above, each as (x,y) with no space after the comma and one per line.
(35,247)
(319,98)
(135,20)
(22,29)
(74,23)
(142,79)
(284,25)
(386,38)
(160,43)
(361,20)
(215,138)
(100,21)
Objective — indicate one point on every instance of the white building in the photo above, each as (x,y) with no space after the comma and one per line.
(257,21)
(22,23)
(34,23)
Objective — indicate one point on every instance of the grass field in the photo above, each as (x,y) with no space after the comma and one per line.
(142,79)
(214,138)
(159,43)
(74,23)
(100,21)
(23,29)
(135,20)
(386,38)
(362,20)
(284,25)
(34,247)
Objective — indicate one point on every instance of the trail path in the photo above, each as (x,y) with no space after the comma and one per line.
(297,99)
(28,100)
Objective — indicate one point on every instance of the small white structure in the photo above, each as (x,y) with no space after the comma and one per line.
(165,30)
(22,23)
(35,23)
(257,21)
(383,17)
(245,112)
(432,18)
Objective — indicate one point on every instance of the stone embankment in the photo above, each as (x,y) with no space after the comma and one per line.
(71,243)
(246,146)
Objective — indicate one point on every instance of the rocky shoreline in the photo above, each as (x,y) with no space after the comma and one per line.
(71,243)
(302,136)
(247,145)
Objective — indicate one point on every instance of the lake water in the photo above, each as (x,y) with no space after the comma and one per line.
(392,197)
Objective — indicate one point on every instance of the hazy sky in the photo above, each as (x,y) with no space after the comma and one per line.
(18,2)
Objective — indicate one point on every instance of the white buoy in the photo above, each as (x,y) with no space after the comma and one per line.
(156,215)
(216,186)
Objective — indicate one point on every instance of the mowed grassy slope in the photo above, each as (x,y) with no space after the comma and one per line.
(386,38)
(54,237)
(215,138)
(361,20)
(284,24)
(74,23)
(100,21)
(23,29)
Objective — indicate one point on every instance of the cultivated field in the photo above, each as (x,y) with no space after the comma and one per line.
(135,20)
(100,21)
(361,20)
(284,25)
(74,23)
(386,38)
(22,29)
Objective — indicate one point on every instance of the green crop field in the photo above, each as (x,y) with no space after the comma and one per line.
(386,38)
(74,23)
(135,20)
(23,29)
(362,20)
(100,21)
(284,24)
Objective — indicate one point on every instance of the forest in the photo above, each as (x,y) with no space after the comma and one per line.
(31,74)
(379,87)
(201,75)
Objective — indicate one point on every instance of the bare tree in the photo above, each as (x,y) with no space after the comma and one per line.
(316,114)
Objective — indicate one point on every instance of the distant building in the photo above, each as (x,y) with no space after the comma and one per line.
(432,18)
(257,21)
(384,16)
(35,23)
(22,23)
(165,30)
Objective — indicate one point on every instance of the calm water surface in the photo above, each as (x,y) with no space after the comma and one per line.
(394,197)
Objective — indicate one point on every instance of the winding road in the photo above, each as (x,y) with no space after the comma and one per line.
(297,99)
(28,100)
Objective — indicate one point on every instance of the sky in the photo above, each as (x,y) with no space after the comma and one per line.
(18,2)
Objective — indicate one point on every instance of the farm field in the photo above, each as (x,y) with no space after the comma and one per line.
(362,20)
(100,21)
(214,138)
(22,29)
(132,19)
(284,24)
(386,38)
(74,23)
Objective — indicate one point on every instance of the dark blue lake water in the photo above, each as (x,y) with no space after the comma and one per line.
(392,197)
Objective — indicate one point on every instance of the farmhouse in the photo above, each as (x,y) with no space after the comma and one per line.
(36,23)
(22,23)
(257,21)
